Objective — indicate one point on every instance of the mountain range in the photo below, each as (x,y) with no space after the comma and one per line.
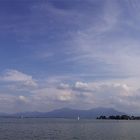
(68,113)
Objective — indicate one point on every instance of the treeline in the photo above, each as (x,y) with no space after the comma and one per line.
(118,117)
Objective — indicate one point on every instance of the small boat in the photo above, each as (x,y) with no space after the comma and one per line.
(78,118)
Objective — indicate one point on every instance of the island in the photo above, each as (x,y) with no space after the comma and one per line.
(118,117)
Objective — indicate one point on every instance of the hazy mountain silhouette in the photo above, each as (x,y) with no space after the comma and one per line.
(71,113)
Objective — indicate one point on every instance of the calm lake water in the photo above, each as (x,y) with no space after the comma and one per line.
(63,129)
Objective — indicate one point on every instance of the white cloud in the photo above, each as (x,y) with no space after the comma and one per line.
(15,76)
(65,96)
(96,94)
(80,95)
(23,98)
(64,86)
(81,85)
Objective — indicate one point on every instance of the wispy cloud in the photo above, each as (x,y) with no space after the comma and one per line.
(76,53)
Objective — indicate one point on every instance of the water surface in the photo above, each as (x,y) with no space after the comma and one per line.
(64,129)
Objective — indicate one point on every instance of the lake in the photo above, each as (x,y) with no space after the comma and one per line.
(65,129)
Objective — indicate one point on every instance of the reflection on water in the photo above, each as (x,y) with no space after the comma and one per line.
(62,129)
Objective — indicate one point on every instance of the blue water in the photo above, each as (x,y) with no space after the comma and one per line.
(63,129)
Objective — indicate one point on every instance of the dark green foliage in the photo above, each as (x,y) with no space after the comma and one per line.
(121,117)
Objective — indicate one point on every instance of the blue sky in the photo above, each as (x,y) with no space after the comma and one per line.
(77,54)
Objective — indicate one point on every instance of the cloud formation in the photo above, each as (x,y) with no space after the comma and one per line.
(80,94)
(17,77)
(81,54)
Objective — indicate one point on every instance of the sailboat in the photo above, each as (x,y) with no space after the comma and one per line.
(78,118)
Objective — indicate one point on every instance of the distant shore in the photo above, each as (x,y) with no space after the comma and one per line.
(118,117)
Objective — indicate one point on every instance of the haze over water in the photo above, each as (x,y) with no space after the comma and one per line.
(65,129)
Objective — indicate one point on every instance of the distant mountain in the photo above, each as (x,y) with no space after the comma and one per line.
(92,113)
(71,113)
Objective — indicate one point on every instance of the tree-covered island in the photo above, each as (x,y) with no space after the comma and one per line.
(118,117)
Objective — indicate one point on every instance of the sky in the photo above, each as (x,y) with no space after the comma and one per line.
(78,54)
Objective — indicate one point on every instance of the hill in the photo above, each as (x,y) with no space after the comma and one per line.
(71,113)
